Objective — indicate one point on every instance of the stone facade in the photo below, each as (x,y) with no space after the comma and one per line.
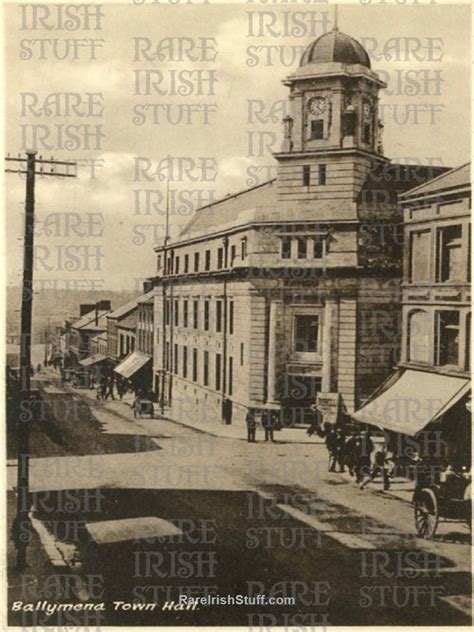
(291,288)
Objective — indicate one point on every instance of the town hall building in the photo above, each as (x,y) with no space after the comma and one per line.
(289,292)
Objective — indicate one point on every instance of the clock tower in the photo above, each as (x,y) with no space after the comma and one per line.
(333,134)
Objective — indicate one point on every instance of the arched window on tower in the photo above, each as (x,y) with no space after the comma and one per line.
(318,118)
(367,122)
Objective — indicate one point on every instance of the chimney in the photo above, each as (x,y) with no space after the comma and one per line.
(85,308)
(104,306)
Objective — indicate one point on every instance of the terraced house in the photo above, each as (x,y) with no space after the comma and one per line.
(290,291)
(430,393)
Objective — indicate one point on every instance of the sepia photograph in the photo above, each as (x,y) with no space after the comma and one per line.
(237,322)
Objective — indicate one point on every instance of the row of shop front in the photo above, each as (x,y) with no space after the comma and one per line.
(135,370)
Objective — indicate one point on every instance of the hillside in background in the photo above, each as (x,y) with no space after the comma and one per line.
(55,306)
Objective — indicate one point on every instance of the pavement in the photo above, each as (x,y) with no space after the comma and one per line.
(400,488)
(289,475)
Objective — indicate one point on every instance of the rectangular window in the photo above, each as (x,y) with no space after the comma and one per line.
(420,254)
(186,264)
(322,174)
(196,262)
(208,260)
(220,258)
(449,262)
(306,333)
(185,313)
(243,248)
(176,265)
(241,354)
(175,359)
(158,263)
(176,312)
(195,365)
(185,362)
(306,175)
(206,315)
(286,247)
(447,338)
(366,133)
(317,129)
(205,376)
(231,317)
(218,372)
(167,356)
(167,311)
(231,376)
(195,314)
(233,254)
(318,247)
(302,247)
(218,316)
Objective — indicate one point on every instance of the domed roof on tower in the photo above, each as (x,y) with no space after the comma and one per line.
(335,47)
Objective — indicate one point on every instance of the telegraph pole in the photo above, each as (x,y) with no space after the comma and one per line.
(21,524)
(166,357)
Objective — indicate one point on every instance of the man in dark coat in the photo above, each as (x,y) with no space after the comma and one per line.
(267,422)
(331,442)
(339,449)
(251,425)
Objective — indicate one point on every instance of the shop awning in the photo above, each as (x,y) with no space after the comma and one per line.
(416,399)
(91,360)
(132,363)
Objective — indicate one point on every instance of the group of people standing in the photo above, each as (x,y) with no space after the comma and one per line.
(357,452)
(268,424)
(106,385)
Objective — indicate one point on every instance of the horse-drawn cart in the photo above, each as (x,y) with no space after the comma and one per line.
(449,499)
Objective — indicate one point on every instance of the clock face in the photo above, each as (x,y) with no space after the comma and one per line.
(318,105)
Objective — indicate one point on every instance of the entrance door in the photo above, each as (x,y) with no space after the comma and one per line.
(300,394)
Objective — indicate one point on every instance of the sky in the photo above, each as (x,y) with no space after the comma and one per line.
(216,87)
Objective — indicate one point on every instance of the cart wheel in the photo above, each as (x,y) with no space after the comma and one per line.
(426,514)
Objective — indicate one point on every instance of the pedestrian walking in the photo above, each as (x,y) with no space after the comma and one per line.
(267,422)
(331,448)
(339,449)
(363,449)
(315,426)
(110,389)
(350,454)
(380,465)
(251,423)
(121,388)
(103,387)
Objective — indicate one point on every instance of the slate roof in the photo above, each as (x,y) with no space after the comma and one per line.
(129,322)
(233,210)
(123,310)
(455,178)
(88,319)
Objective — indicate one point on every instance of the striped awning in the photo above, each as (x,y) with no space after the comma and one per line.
(91,360)
(132,363)
(416,399)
